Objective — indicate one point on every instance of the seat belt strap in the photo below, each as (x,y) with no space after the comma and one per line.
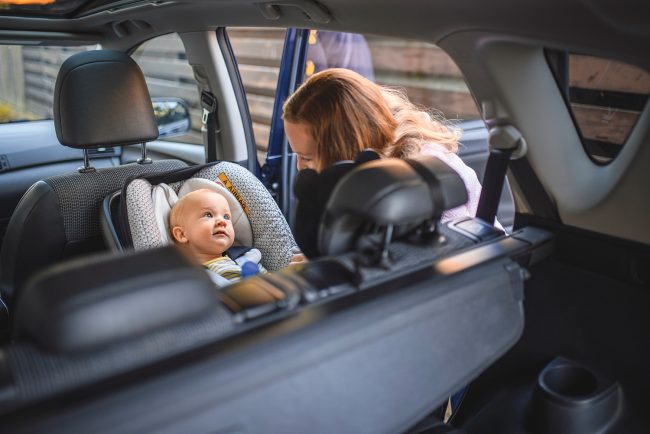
(493,180)
(210,121)
(506,142)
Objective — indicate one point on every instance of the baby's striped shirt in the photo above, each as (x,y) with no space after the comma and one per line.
(225,267)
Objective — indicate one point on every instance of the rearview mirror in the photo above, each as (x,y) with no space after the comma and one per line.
(172,116)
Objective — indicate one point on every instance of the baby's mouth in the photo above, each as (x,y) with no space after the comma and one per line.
(220,233)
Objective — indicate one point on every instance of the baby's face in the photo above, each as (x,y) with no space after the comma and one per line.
(207,224)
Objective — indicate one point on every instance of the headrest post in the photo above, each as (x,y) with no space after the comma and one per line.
(384,259)
(86,168)
(144,159)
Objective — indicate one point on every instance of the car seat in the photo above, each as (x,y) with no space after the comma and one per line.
(100,100)
(137,215)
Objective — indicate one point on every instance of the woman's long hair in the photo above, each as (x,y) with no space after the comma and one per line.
(348,113)
(417,127)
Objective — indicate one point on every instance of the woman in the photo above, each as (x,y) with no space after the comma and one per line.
(337,113)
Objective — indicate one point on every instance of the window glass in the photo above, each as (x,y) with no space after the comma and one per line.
(606,98)
(27,78)
(169,76)
(429,77)
(427,74)
(258,52)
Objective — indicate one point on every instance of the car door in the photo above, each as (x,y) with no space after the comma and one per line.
(270,67)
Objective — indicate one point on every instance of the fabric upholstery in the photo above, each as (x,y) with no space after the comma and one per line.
(80,194)
(58,218)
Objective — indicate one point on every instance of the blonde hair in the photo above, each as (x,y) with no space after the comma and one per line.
(417,127)
(348,113)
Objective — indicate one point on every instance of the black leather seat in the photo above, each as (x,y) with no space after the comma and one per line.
(101,100)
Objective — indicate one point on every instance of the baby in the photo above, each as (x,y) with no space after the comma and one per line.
(200,223)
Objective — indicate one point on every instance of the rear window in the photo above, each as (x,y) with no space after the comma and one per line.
(606,98)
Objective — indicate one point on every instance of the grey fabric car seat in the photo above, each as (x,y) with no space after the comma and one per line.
(100,100)
(146,201)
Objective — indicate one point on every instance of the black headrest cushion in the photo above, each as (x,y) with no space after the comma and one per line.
(313,190)
(388,192)
(95,302)
(101,99)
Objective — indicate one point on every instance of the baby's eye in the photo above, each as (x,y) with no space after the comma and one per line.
(207,214)
(226,216)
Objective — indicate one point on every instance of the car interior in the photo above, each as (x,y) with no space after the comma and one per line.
(535,322)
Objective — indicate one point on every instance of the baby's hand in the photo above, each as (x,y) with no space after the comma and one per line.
(298,258)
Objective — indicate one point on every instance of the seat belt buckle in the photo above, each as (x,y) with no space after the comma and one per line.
(209,105)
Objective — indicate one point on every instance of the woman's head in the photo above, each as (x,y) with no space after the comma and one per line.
(337,113)
(334,115)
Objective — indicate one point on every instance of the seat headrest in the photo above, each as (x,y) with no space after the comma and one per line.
(101,99)
(313,190)
(388,192)
(94,302)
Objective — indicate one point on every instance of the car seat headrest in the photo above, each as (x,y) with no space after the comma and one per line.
(101,99)
(312,190)
(97,301)
(164,198)
(388,192)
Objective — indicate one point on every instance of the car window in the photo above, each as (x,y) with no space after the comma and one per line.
(606,98)
(258,52)
(27,79)
(169,75)
(428,75)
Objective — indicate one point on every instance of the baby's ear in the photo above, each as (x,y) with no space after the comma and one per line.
(179,234)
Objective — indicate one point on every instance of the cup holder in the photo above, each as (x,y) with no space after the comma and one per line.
(570,382)
(572,399)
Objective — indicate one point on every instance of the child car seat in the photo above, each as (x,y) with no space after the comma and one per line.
(137,215)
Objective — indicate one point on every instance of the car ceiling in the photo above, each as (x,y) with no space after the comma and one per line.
(599,25)
(498,45)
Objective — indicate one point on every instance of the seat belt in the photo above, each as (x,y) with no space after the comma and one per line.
(210,122)
(505,142)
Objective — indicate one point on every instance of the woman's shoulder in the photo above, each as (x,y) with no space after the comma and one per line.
(467,174)
(432,149)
